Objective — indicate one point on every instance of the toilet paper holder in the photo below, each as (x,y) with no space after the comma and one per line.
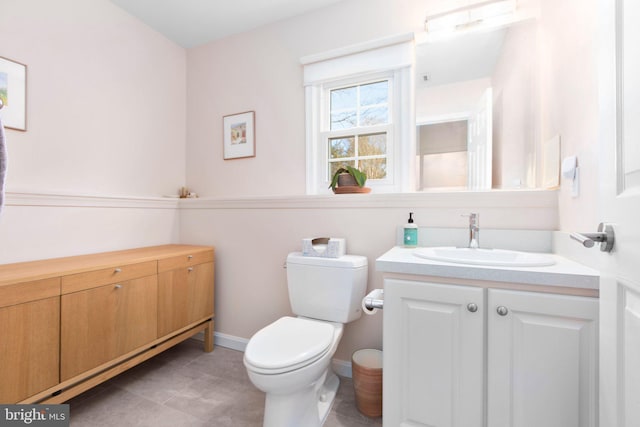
(374,300)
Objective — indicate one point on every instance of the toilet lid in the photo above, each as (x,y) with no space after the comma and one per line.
(288,343)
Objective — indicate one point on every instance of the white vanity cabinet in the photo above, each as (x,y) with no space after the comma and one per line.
(433,354)
(542,360)
(471,356)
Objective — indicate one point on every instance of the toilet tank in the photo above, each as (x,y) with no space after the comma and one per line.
(327,288)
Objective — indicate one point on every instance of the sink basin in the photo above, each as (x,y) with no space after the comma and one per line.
(488,257)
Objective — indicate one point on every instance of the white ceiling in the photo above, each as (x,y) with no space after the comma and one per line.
(192,23)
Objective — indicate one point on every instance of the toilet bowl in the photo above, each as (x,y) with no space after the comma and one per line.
(290,361)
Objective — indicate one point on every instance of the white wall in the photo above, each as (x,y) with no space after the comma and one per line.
(459,99)
(570,101)
(106,108)
(516,101)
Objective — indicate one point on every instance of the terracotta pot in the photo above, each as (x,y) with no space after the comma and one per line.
(346,180)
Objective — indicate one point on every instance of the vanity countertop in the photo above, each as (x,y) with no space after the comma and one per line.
(564,272)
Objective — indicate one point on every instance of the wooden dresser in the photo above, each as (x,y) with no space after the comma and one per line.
(68,324)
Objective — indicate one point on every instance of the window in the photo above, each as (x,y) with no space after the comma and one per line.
(359,112)
(357,128)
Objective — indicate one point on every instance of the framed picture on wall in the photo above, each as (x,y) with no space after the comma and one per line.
(13,94)
(239,135)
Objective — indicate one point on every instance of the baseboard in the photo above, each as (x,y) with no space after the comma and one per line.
(230,341)
(226,341)
(340,367)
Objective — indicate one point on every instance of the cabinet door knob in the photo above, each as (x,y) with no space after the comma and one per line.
(502,310)
(117,286)
(117,270)
(472,307)
(190,269)
(189,256)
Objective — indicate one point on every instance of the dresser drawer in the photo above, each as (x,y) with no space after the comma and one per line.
(29,291)
(186,260)
(95,278)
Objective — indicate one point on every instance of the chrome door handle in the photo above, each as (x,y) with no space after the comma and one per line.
(605,236)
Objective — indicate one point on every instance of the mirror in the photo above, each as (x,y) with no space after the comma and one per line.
(478,110)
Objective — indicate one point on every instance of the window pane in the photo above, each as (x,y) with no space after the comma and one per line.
(334,166)
(345,98)
(342,147)
(343,120)
(374,93)
(374,168)
(372,145)
(374,116)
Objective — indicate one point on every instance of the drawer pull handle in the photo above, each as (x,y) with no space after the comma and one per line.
(472,307)
(502,310)
(190,269)
(189,256)
(117,286)
(117,270)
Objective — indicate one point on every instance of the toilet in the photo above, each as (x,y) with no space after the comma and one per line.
(290,359)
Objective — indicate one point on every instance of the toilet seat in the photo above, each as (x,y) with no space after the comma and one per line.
(288,344)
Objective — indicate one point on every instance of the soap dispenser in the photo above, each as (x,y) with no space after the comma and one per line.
(410,233)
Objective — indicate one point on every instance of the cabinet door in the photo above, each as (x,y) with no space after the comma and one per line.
(185,296)
(29,348)
(102,323)
(542,361)
(433,355)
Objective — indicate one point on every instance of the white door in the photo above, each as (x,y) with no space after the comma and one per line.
(480,143)
(433,355)
(619,67)
(542,360)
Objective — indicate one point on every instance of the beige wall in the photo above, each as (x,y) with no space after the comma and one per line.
(105,100)
(105,135)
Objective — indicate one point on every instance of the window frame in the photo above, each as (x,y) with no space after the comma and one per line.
(326,133)
(393,56)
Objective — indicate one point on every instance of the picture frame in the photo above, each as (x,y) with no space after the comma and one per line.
(239,135)
(13,93)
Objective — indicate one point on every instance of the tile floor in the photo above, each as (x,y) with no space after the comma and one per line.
(186,387)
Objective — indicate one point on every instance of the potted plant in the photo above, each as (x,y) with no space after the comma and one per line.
(348,179)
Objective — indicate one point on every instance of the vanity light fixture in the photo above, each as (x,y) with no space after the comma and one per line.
(480,13)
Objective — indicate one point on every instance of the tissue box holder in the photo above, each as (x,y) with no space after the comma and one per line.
(326,247)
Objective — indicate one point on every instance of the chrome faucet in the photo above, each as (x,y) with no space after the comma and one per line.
(474,230)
